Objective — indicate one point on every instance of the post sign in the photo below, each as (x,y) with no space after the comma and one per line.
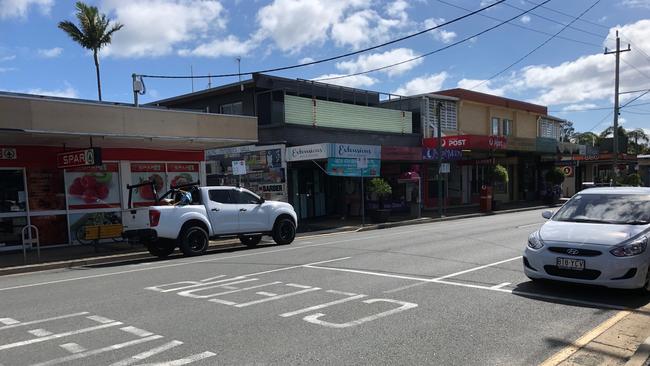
(468,142)
(239,167)
(79,158)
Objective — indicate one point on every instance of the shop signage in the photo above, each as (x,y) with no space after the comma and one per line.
(351,151)
(78,158)
(432,154)
(238,167)
(401,153)
(308,152)
(362,163)
(567,170)
(348,168)
(275,188)
(8,154)
(467,142)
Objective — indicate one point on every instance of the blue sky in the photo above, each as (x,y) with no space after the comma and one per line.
(170,36)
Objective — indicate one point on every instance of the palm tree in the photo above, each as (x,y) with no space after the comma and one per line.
(638,135)
(95,33)
(610,131)
(587,138)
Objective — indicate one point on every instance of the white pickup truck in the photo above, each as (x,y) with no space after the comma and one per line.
(213,212)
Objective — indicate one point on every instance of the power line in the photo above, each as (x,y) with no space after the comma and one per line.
(636,68)
(635,98)
(522,26)
(333,57)
(558,22)
(601,121)
(569,15)
(432,52)
(595,108)
(536,48)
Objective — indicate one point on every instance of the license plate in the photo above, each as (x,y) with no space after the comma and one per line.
(568,263)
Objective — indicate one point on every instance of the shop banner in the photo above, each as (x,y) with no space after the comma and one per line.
(432,154)
(351,151)
(142,172)
(401,153)
(348,168)
(77,158)
(308,152)
(93,187)
(468,142)
(182,173)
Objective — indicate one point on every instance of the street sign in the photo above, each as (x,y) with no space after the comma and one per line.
(79,158)
(238,167)
(445,168)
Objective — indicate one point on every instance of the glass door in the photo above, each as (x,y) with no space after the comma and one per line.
(13,207)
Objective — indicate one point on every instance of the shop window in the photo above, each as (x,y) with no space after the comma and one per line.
(507,127)
(46,189)
(79,221)
(147,172)
(52,230)
(12,191)
(10,231)
(494,128)
(93,187)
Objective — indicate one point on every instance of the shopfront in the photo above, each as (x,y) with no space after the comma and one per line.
(325,179)
(61,201)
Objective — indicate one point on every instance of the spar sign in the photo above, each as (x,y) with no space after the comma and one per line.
(79,158)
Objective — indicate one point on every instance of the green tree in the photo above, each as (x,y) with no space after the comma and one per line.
(587,138)
(94,32)
(609,132)
(381,188)
(638,135)
(568,131)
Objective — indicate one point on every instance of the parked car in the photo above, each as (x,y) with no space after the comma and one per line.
(188,217)
(600,236)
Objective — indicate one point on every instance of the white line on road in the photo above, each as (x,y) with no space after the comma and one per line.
(405,287)
(72,347)
(44,320)
(81,355)
(56,336)
(500,285)
(100,319)
(8,321)
(136,331)
(321,306)
(477,268)
(39,332)
(147,354)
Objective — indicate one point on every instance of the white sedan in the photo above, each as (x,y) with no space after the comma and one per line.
(599,237)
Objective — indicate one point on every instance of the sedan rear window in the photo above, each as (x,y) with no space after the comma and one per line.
(606,208)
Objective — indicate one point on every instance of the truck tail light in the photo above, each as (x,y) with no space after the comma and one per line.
(154,218)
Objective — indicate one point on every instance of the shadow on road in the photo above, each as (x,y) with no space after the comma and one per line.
(583,295)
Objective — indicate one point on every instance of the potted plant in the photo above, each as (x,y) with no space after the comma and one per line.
(498,176)
(554,178)
(382,189)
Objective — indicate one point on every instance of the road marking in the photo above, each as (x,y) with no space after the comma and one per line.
(56,336)
(264,293)
(277,297)
(40,332)
(44,320)
(72,347)
(529,225)
(477,268)
(100,319)
(8,321)
(405,287)
(213,278)
(147,354)
(584,340)
(500,285)
(315,318)
(322,306)
(136,331)
(429,227)
(190,293)
(81,355)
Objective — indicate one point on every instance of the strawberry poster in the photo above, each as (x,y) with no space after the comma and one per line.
(93,187)
(143,172)
(182,173)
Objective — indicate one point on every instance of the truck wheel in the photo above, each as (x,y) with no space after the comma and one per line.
(250,241)
(161,248)
(284,231)
(193,241)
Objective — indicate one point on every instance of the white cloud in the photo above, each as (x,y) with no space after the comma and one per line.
(578,107)
(637,3)
(485,87)
(156,27)
(229,46)
(7,58)
(376,60)
(7,69)
(20,8)
(424,84)
(50,52)
(440,34)
(525,19)
(66,92)
(305,60)
(357,81)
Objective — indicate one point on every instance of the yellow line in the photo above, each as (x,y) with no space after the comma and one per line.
(565,353)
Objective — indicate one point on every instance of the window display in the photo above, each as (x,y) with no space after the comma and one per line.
(142,172)
(12,191)
(45,187)
(93,187)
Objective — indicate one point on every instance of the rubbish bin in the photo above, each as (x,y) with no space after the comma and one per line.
(486,199)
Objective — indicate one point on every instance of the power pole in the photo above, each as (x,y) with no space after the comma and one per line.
(616,105)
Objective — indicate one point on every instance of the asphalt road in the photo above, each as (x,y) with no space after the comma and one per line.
(450,293)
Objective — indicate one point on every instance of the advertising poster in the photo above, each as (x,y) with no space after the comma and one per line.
(143,172)
(348,168)
(93,187)
(79,221)
(182,173)
(46,190)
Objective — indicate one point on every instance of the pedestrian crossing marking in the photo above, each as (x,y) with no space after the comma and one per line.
(40,332)
(72,347)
